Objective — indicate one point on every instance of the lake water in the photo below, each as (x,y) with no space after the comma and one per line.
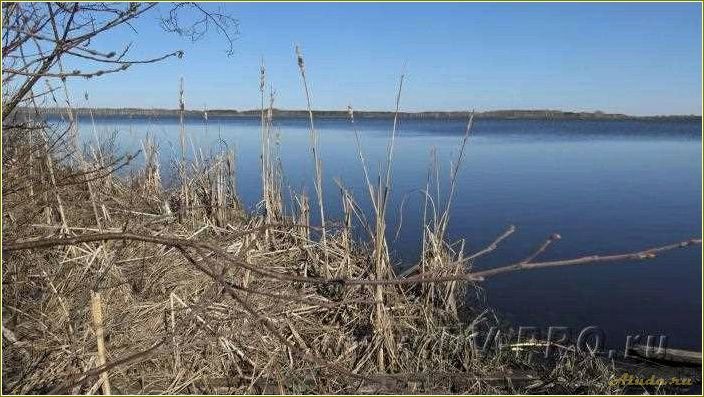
(605,186)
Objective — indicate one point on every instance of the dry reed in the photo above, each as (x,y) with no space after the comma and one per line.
(123,285)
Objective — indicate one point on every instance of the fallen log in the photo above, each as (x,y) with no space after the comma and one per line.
(669,355)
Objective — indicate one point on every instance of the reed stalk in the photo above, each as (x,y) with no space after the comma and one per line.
(96,309)
(184,202)
(264,148)
(317,163)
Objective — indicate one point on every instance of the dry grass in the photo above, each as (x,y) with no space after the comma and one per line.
(184,292)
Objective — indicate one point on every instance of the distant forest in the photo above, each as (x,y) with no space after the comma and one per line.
(431,115)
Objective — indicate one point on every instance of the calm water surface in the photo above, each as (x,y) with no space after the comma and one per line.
(606,187)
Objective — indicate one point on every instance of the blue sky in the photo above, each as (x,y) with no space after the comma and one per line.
(638,59)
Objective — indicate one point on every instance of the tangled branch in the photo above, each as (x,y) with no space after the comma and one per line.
(648,253)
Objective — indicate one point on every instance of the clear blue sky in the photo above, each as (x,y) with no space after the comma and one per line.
(616,57)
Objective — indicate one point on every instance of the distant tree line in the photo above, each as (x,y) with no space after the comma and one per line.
(431,115)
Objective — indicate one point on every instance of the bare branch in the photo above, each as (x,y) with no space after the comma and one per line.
(196,29)
(495,244)
(542,248)
(67,30)
(648,253)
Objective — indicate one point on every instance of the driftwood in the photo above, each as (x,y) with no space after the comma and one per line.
(676,356)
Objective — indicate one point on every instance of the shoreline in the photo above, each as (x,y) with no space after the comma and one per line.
(381,115)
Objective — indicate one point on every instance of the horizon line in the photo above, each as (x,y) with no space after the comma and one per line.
(417,112)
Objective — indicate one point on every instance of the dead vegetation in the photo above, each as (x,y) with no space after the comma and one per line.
(218,299)
(121,284)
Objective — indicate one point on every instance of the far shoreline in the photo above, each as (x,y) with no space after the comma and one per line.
(342,114)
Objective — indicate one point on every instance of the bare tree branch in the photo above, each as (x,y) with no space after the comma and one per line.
(648,253)
(37,36)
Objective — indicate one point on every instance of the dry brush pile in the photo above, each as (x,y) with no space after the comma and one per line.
(118,284)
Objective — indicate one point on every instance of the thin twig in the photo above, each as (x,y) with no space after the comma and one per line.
(542,248)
